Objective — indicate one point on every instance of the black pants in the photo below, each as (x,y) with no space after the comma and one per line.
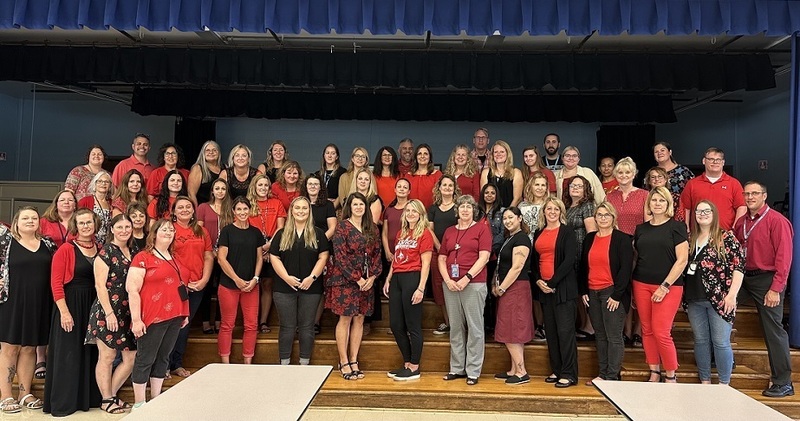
(405,318)
(153,348)
(208,293)
(296,311)
(559,322)
(490,310)
(775,337)
(176,356)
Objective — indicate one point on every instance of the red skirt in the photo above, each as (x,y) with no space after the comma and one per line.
(349,300)
(515,314)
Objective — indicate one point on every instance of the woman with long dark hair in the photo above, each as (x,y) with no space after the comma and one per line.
(174,185)
(329,172)
(385,169)
(80,178)
(324,218)
(170,158)
(130,190)
(423,175)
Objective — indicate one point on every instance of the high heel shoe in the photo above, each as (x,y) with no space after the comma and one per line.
(660,377)
(346,376)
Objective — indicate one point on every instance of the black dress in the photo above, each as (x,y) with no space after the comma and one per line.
(122,339)
(239,188)
(204,191)
(25,317)
(505,188)
(70,384)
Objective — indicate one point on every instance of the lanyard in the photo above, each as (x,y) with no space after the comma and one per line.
(172,264)
(746,232)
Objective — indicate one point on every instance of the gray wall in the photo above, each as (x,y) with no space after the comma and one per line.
(55,129)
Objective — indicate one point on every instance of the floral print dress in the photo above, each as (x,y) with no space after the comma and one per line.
(122,339)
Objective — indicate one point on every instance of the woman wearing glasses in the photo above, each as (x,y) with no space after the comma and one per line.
(677,175)
(99,202)
(604,278)
(170,158)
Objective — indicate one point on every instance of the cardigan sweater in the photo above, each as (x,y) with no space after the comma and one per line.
(564,278)
(620,258)
(63,269)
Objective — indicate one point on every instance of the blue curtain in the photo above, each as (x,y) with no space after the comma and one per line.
(441,17)
(794,190)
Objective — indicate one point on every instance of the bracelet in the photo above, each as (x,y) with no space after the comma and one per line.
(502,291)
(420,290)
(469,276)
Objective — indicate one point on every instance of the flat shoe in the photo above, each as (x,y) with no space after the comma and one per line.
(472,381)
(453,376)
(551,379)
(567,384)
(502,376)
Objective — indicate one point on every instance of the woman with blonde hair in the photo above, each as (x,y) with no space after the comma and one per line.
(405,287)
(462,167)
(358,159)
(268,215)
(205,170)
(504,175)
(99,202)
(239,173)
(364,183)
(628,200)
(532,163)
(298,257)
(131,190)
(442,214)
(662,251)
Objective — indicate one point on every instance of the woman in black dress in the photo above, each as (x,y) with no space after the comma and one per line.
(239,172)
(24,304)
(70,384)
(110,318)
(205,170)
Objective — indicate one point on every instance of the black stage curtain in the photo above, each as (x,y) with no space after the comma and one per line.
(633,141)
(190,134)
(639,72)
(404,107)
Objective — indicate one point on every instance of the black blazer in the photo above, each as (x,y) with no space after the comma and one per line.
(564,279)
(620,257)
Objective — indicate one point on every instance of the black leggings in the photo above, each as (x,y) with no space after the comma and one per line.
(405,318)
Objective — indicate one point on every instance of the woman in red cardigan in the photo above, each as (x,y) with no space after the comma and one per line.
(70,384)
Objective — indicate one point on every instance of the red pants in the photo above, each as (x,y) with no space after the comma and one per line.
(229,300)
(657,321)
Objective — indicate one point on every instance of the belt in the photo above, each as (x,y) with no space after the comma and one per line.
(756,272)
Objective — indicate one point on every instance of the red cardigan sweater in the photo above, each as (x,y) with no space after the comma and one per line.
(62,269)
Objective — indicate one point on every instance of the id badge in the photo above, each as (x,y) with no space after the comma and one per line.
(454,271)
(692,268)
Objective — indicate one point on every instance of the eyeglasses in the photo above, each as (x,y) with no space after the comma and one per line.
(603,215)
(703,212)
(312,184)
(386,155)
(715,160)
(571,155)
(360,156)
(103,182)
(576,186)
(480,137)
(170,153)
(752,193)
(656,177)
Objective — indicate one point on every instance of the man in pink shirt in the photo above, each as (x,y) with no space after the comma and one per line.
(137,160)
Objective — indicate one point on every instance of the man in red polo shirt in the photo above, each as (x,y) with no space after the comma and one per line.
(766,238)
(718,187)
(137,160)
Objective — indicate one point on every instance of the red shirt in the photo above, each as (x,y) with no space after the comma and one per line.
(769,244)
(630,212)
(151,209)
(404,169)
(546,247)
(726,194)
(284,196)
(392,222)
(599,264)
(609,186)
(408,250)
(54,230)
(462,247)
(130,163)
(422,187)
(190,250)
(470,185)
(268,213)
(156,178)
(160,300)
(385,188)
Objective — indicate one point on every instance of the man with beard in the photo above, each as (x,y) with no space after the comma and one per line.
(480,152)
(406,150)
(137,160)
(552,158)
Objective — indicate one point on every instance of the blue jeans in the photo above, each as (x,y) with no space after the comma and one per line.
(710,329)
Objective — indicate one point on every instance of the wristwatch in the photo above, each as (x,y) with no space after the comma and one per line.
(469,276)
(314,277)
(256,278)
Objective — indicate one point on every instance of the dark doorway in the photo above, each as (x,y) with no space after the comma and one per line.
(191,133)
(633,141)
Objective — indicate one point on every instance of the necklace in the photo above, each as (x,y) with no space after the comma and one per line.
(78,243)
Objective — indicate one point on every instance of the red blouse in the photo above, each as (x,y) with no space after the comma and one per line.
(160,299)
(284,196)
(408,251)
(546,247)
(190,250)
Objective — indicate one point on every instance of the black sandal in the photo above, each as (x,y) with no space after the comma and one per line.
(119,402)
(660,377)
(40,375)
(472,381)
(347,376)
(111,401)
(264,328)
(359,374)
(453,376)
(673,378)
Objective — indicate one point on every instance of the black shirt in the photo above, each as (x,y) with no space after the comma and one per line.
(330,178)
(506,253)
(242,253)
(442,220)
(299,261)
(694,291)
(655,248)
(321,213)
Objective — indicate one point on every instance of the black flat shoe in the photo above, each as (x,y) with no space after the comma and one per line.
(502,376)
(551,379)
(569,383)
(209,331)
(453,376)
(472,381)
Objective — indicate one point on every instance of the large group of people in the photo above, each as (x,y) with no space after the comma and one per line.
(103,284)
